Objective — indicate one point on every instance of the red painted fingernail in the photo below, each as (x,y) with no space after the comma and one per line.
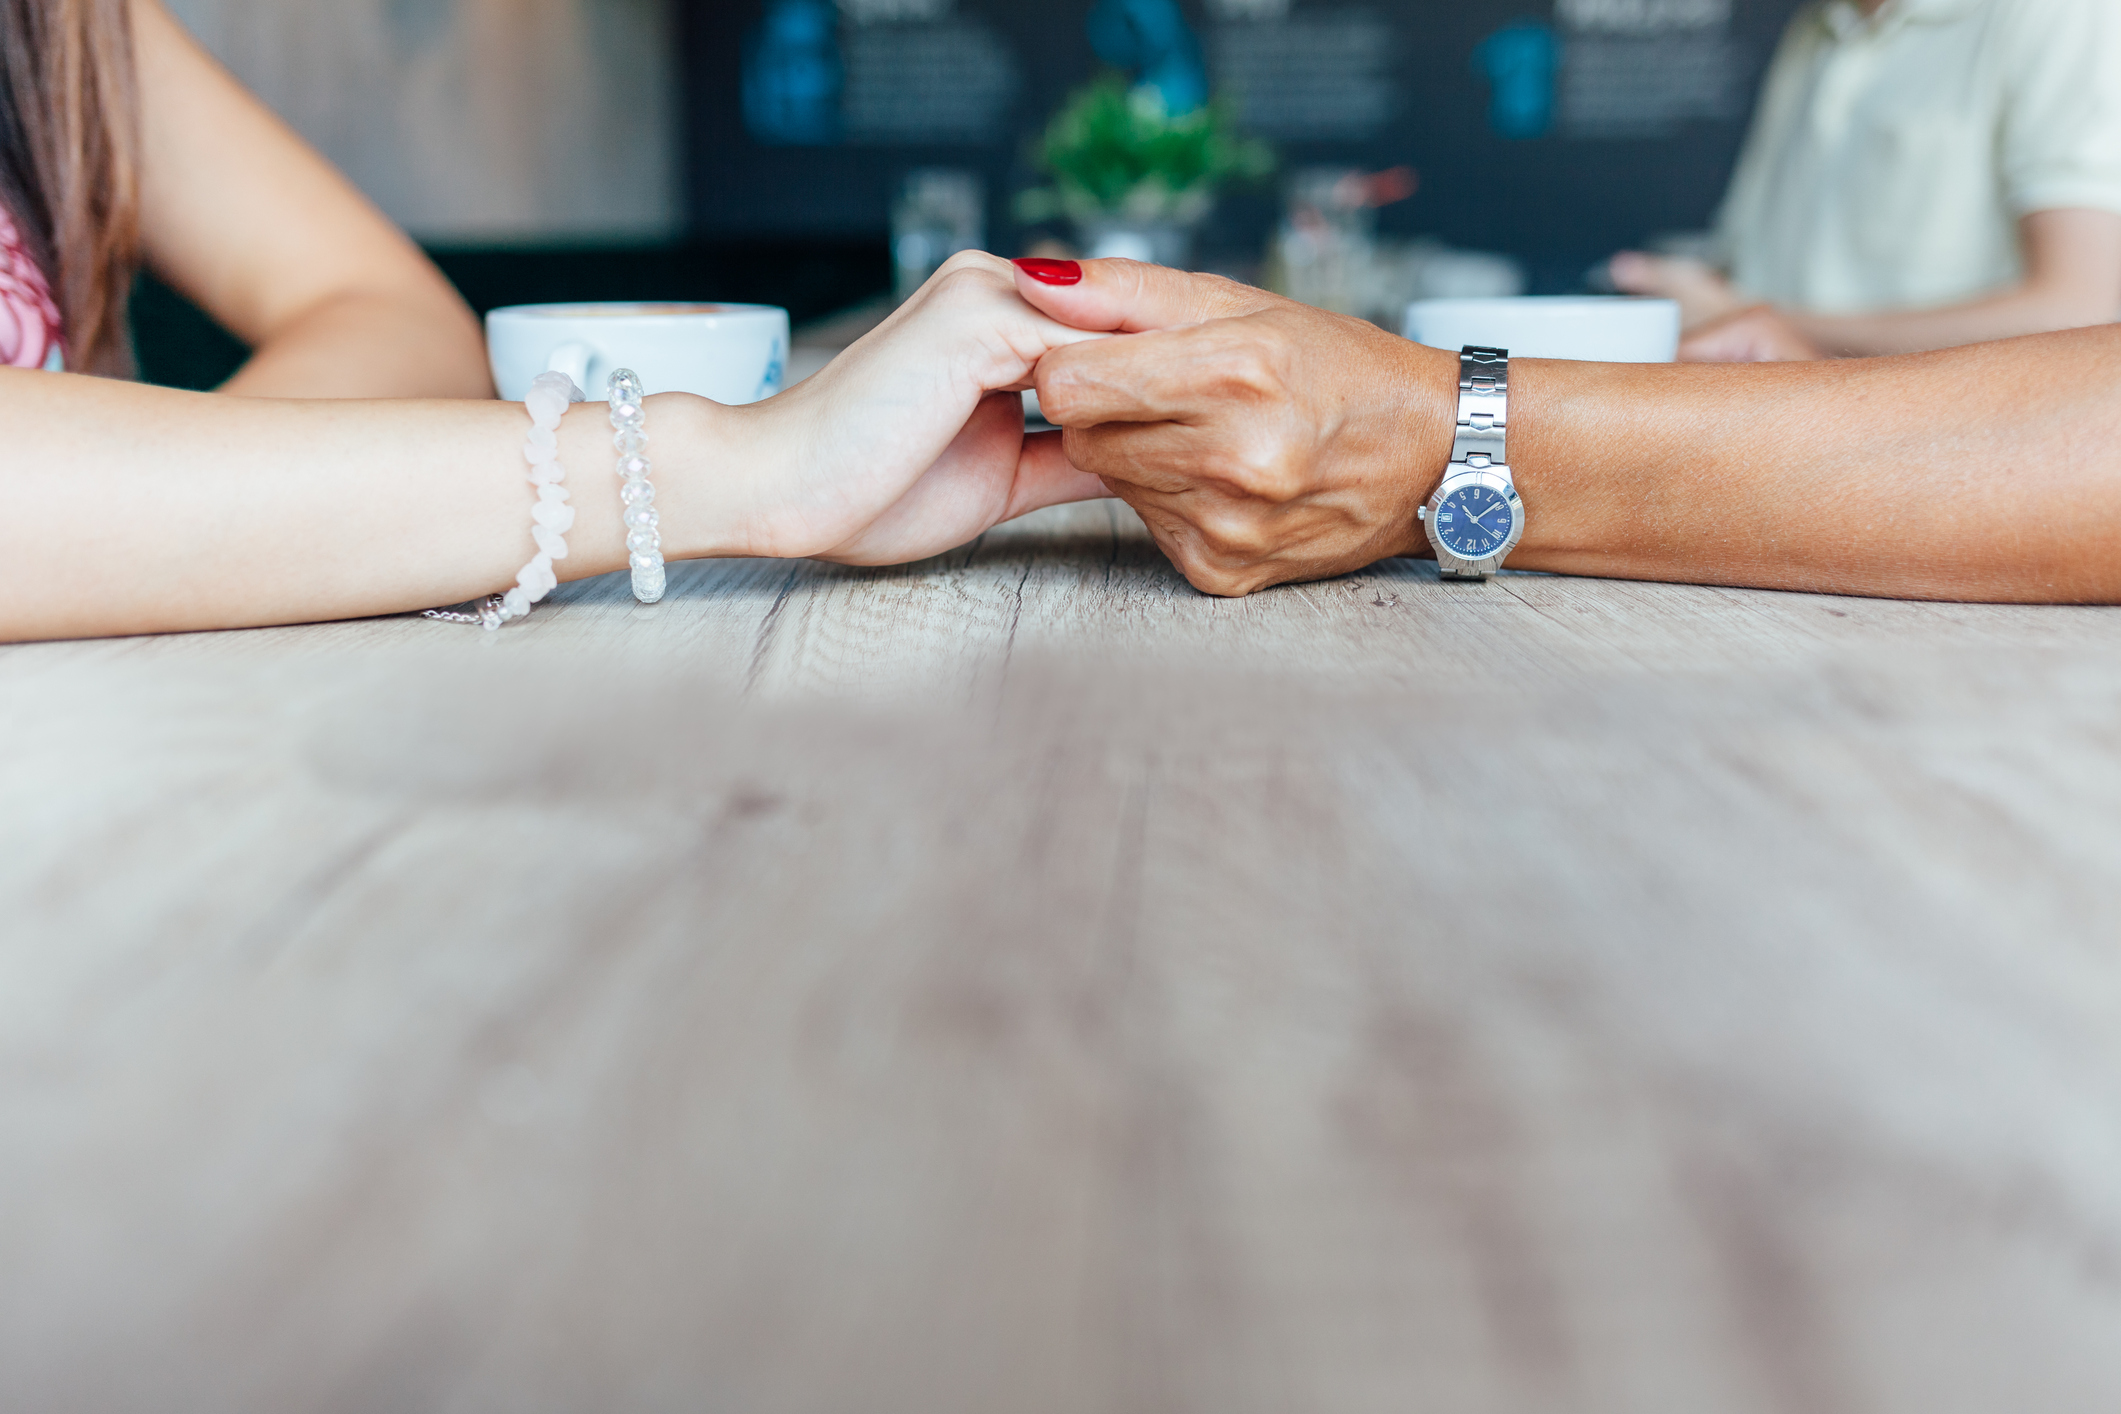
(1052,272)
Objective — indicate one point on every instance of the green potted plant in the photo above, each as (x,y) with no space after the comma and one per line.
(1135,178)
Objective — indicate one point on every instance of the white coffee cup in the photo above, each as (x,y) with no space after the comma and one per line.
(1600,328)
(732,353)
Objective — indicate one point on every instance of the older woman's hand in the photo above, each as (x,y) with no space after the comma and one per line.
(1261,440)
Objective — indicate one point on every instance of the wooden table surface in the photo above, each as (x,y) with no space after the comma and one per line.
(1018,983)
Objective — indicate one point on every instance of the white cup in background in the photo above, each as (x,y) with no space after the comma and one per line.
(732,353)
(1599,328)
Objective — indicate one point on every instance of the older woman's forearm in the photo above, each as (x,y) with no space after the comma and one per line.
(1991,472)
(1264,441)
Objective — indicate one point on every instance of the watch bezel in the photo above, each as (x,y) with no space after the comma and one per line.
(1495,477)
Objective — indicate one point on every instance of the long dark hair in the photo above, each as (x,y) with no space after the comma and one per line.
(69,138)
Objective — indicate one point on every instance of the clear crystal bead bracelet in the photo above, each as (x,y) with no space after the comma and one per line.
(550,518)
(644,543)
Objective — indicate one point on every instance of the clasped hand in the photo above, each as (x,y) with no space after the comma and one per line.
(1247,430)
(1260,440)
(911,442)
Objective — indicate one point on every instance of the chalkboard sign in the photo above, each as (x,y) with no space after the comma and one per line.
(1554,131)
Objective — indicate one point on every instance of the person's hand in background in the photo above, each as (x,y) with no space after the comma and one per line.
(1761,334)
(1257,437)
(1700,289)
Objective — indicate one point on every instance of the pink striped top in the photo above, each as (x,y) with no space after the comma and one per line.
(31,335)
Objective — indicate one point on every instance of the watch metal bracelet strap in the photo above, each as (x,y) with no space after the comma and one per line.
(1482,434)
(1483,405)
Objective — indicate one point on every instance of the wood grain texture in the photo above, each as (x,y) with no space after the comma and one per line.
(1016,982)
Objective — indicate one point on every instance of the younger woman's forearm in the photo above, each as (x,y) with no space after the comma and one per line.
(379,345)
(126,509)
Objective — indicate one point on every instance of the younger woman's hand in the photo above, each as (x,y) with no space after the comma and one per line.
(912,441)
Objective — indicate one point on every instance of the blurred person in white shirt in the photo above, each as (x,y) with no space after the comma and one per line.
(1919,174)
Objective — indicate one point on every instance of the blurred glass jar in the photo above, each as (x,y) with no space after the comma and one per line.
(1432,271)
(1328,253)
(1327,241)
(939,212)
(1154,243)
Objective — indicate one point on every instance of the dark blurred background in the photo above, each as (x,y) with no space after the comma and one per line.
(751,149)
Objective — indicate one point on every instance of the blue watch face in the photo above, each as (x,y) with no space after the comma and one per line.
(1473,522)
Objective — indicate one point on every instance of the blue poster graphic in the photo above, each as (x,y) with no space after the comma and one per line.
(1519,62)
(793,75)
(1151,38)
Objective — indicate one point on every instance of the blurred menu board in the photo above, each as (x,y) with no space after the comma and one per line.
(1320,75)
(1645,68)
(1552,129)
(948,80)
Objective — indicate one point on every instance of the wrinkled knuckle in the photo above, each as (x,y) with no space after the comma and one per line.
(1227,466)
(1255,468)
(1246,371)
(1234,534)
(1210,578)
(1091,451)
(1278,479)
(1259,374)
(1060,401)
(1264,472)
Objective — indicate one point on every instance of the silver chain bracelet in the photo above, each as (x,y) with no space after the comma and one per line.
(488,616)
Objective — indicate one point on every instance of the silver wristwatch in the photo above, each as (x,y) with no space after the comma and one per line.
(1475,518)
